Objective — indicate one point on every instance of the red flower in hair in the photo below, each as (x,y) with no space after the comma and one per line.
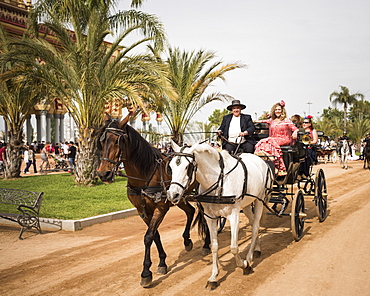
(282,103)
(308,117)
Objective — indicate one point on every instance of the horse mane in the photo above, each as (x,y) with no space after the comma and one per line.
(140,152)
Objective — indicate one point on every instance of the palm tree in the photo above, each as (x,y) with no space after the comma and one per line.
(19,93)
(358,129)
(190,74)
(345,98)
(360,109)
(85,71)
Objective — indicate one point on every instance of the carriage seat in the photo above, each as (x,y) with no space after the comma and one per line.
(293,156)
(261,131)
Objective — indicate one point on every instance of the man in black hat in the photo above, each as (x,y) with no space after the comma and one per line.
(238,129)
(340,142)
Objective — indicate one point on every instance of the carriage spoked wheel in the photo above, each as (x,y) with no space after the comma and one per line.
(321,196)
(298,216)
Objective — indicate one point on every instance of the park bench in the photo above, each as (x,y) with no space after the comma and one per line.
(28,203)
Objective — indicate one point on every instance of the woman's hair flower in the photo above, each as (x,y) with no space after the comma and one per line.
(308,117)
(282,103)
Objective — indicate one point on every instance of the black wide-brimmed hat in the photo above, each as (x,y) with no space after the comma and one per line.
(235,103)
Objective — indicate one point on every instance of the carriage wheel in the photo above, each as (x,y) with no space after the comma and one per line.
(298,216)
(334,156)
(321,196)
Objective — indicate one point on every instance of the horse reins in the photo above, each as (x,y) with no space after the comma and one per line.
(219,183)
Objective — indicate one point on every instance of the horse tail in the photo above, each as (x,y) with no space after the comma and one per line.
(201,222)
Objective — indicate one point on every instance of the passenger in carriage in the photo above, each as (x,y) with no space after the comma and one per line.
(296,119)
(282,133)
(238,129)
(304,168)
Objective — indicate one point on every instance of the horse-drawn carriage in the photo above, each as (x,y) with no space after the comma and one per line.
(324,149)
(282,193)
(248,182)
(227,185)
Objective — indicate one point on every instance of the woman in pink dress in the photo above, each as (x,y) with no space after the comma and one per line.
(282,132)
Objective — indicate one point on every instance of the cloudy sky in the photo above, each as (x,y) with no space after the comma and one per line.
(298,51)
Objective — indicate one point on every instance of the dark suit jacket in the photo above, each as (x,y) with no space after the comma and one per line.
(246,124)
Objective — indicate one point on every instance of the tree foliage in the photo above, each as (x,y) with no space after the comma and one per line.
(215,118)
(190,75)
(85,71)
(345,98)
(20,91)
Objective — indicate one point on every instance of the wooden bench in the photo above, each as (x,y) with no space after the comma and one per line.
(28,203)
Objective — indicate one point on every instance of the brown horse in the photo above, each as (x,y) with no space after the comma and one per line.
(146,186)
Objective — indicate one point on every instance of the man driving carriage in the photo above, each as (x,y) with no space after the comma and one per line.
(237,128)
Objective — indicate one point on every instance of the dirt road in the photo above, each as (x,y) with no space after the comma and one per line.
(333,257)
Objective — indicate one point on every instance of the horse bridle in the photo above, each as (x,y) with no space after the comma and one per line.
(121,134)
(192,168)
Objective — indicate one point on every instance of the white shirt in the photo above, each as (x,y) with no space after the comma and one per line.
(234,130)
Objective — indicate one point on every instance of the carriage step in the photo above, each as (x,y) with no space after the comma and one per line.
(276,200)
(277,189)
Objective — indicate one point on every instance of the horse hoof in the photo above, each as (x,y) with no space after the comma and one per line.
(162,270)
(211,286)
(189,247)
(247,270)
(206,251)
(145,282)
(257,254)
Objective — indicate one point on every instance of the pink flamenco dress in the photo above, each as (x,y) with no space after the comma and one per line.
(280,135)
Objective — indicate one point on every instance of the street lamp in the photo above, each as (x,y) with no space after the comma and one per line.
(309,107)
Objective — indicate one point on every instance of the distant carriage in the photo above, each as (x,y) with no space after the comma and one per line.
(324,150)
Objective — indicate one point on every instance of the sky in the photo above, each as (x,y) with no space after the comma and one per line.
(296,51)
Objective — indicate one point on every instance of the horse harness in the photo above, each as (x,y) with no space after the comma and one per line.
(219,198)
(154,193)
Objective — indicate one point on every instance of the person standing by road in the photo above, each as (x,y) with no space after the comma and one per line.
(2,156)
(72,156)
(29,159)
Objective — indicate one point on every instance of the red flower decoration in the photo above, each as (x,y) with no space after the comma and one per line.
(308,117)
(282,103)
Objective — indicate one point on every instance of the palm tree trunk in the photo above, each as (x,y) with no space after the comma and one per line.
(87,161)
(14,154)
(177,138)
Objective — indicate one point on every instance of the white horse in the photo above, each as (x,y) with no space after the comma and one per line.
(344,154)
(222,177)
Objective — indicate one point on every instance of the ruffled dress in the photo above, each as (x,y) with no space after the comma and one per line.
(280,135)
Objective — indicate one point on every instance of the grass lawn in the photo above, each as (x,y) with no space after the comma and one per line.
(63,200)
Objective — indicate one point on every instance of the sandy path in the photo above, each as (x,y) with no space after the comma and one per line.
(333,258)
